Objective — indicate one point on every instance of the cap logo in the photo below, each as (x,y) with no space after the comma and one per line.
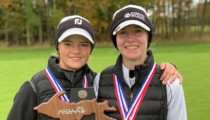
(135,15)
(78,21)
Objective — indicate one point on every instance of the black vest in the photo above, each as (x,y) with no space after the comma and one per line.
(154,105)
(68,79)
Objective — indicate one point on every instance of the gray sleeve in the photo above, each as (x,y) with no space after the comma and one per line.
(96,84)
(176,101)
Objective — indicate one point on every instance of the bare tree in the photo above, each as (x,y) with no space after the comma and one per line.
(203,19)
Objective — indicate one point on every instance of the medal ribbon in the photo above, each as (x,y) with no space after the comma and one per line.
(58,87)
(85,82)
(129,112)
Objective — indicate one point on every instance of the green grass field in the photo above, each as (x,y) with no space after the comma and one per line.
(193,61)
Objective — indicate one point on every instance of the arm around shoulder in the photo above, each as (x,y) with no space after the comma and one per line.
(24,102)
(176,101)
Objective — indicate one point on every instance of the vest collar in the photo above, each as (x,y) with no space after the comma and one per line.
(73,77)
(140,70)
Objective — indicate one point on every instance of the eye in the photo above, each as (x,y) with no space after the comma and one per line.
(138,30)
(121,32)
(68,44)
(84,44)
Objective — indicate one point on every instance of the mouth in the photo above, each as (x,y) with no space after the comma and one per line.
(76,58)
(131,47)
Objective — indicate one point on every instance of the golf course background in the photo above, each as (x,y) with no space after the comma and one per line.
(192,60)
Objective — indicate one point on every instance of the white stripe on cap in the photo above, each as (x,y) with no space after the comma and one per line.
(75,31)
(130,22)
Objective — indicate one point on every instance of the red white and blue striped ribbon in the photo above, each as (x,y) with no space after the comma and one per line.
(58,87)
(85,82)
(129,112)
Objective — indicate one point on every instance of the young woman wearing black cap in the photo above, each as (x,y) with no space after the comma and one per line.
(74,42)
(133,84)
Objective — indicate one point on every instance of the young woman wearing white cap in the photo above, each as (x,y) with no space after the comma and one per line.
(74,42)
(133,84)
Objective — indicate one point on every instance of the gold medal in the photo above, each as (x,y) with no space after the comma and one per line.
(82,94)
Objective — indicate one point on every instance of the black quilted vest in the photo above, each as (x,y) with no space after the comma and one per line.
(154,105)
(68,79)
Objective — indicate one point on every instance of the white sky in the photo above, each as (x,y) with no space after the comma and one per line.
(195,1)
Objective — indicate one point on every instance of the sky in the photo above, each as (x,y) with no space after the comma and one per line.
(195,1)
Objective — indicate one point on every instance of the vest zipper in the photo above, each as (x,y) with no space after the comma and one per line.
(131,97)
(72,79)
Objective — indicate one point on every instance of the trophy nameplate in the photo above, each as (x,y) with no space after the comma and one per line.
(62,110)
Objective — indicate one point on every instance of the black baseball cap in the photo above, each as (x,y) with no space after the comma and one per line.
(130,15)
(74,25)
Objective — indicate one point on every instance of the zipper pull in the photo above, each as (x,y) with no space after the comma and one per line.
(131,97)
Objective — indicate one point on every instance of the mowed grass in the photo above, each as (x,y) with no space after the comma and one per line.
(193,61)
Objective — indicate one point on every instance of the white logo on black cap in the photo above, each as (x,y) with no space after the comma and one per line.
(78,21)
(127,15)
(135,15)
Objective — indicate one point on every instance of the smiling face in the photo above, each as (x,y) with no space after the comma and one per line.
(74,52)
(132,43)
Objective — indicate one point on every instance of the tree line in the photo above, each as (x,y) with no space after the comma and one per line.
(29,22)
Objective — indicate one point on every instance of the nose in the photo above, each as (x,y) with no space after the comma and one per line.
(130,37)
(76,49)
